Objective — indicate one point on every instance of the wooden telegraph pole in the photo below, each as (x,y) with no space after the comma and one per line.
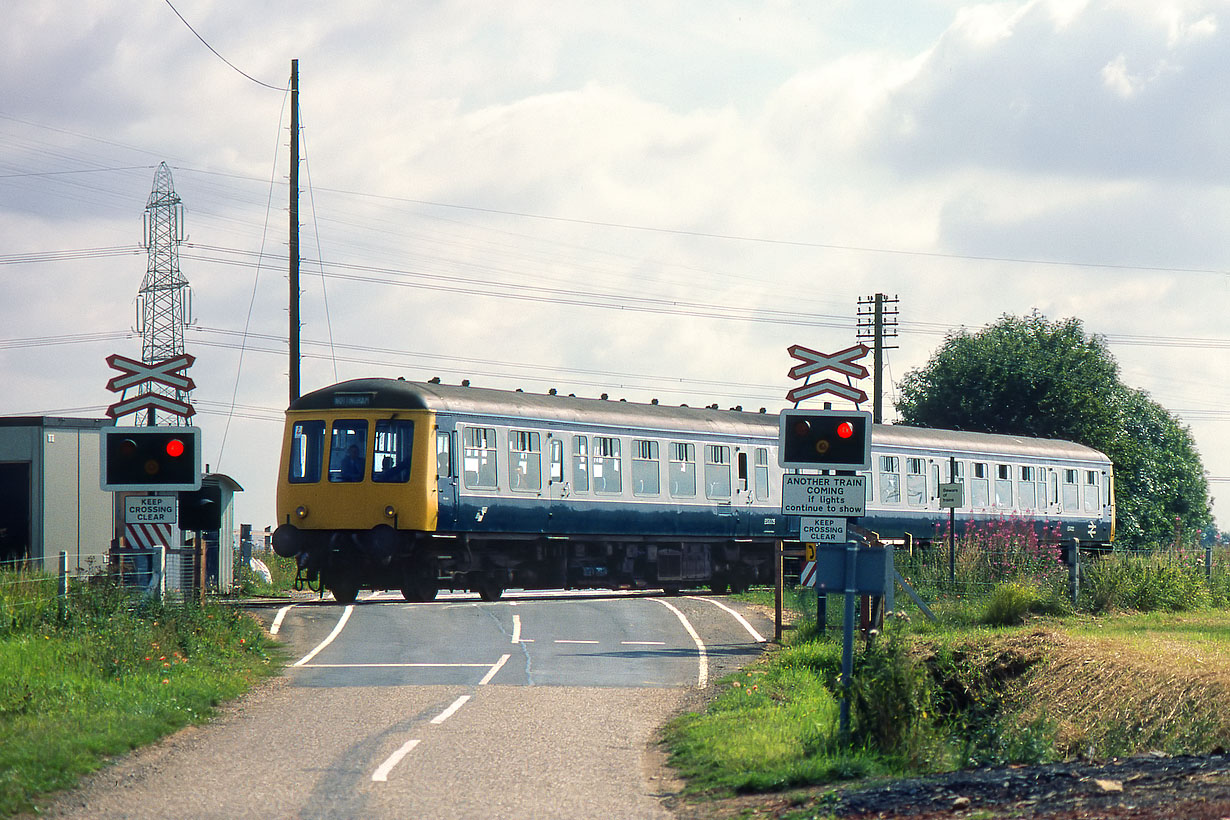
(293,336)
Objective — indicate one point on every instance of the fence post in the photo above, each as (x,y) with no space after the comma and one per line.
(160,589)
(63,593)
(1074,571)
(1208,561)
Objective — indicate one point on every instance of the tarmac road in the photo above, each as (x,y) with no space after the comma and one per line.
(536,706)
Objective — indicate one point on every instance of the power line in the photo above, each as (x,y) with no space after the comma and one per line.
(215,51)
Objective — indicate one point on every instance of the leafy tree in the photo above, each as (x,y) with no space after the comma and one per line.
(1028,376)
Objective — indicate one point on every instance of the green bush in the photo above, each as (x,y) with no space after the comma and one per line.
(1167,582)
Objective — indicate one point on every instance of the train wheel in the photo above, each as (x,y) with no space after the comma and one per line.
(344,590)
(719,587)
(489,589)
(420,590)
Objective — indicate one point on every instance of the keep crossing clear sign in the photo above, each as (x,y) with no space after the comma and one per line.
(150,509)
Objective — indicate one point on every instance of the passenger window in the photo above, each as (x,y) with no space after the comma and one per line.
(1026,490)
(307,449)
(683,470)
(717,471)
(580,464)
(890,480)
(1003,485)
(646,475)
(524,462)
(915,483)
(478,458)
(762,474)
(1092,496)
(608,466)
(980,486)
(348,450)
(1071,492)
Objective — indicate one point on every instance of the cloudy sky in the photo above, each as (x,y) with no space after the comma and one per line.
(643,199)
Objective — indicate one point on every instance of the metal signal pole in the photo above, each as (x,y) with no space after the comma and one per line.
(877,320)
(293,336)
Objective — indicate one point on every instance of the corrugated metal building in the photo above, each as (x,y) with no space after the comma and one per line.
(50,500)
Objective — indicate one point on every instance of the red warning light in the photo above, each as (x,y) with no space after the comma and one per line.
(845,430)
(175,447)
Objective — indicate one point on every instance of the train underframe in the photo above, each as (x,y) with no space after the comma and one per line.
(421,564)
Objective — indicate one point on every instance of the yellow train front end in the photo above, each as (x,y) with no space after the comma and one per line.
(356,489)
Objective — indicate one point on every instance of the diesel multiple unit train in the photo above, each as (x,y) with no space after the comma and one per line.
(418,486)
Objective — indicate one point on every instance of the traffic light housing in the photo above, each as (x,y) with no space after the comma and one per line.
(824,439)
(201,510)
(151,458)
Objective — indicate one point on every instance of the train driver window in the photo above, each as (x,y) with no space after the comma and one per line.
(717,471)
(890,479)
(980,486)
(444,454)
(683,470)
(478,458)
(1071,492)
(762,474)
(580,464)
(1003,485)
(608,466)
(524,461)
(348,450)
(1092,494)
(915,483)
(646,476)
(307,450)
(393,443)
(1025,489)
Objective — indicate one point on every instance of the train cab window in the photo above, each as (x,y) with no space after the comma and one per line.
(717,471)
(348,450)
(478,458)
(1003,485)
(1092,492)
(392,447)
(524,462)
(1071,492)
(557,461)
(646,474)
(608,466)
(762,474)
(890,479)
(444,454)
(580,464)
(915,483)
(682,471)
(980,486)
(307,452)
(1026,493)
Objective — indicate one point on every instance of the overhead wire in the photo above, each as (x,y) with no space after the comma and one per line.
(218,55)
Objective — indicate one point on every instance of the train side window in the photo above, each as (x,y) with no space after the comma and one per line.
(1054,479)
(741,474)
(444,454)
(1003,485)
(890,479)
(717,471)
(646,474)
(580,464)
(608,466)
(1025,489)
(956,475)
(393,445)
(762,474)
(1092,493)
(682,474)
(478,458)
(524,461)
(307,450)
(980,486)
(1071,492)
(348,450)
(557,461)
(915,483)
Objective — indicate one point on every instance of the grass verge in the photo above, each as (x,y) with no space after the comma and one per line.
(106,673)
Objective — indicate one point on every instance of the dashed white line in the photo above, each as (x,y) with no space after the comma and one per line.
(277,620)
(448,713)
(743,621)
(494,669)
(516,636)
(337,630)
(703,675)
(643,643)
(381,775)
(563,640)
(392,665)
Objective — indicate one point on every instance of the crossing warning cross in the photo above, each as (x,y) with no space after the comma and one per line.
(813,362)
(168,372)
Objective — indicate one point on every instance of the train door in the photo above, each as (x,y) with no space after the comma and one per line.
(446,480)
(557,486)
(743,492)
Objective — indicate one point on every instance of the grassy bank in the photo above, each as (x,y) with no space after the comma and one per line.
(99,673)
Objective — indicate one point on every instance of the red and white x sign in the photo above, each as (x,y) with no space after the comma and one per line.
(843,361)
(168,372)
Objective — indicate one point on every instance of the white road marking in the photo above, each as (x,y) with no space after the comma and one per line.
(381,775)
(448,713)
(494,669)
(703,675)
(516,636)
(643,643)
(562,640)
(337,630)
(277,620)
(743,621)
(391,665)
